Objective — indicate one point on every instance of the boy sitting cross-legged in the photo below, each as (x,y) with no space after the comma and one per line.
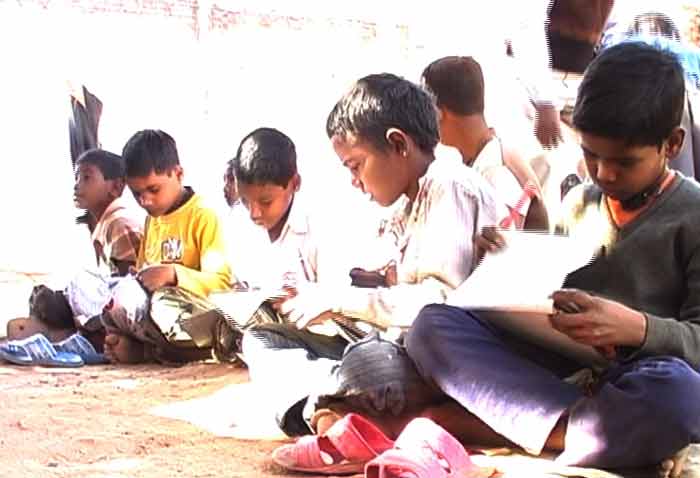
(181,260)
(638,299)
(384,131)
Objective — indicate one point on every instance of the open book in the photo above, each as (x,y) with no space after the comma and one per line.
(522,275)
(240,304)
(511,288)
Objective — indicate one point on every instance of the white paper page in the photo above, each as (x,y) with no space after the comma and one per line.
(240,305)
(521,276)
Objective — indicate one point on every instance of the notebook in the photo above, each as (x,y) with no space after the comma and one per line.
(511,288)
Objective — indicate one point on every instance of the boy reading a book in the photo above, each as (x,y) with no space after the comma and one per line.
(638,299)
(181,260)
(384,131)
(278,248)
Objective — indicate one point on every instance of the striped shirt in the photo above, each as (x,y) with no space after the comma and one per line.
(432,238)
(117,235)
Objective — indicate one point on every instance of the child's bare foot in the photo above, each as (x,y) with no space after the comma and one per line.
(673,467)
(125,350)
(323,419)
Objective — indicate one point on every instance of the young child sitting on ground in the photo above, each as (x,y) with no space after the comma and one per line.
(280,232)
(99,184)
(181,260)
(384,130)
(458,86)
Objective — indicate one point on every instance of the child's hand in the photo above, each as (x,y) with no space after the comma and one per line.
(157,276)
(306,306)
(488,240)
(597,322)
(547,127)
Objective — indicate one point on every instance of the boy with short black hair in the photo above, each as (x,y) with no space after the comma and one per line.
(384,131)
(181,260)
(280,232)
(99,183)
(638,299)
(458,85)
(278,228)
(265,167)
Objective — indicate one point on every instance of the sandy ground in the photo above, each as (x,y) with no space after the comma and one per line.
(99,422)
(95,422)
(107,421)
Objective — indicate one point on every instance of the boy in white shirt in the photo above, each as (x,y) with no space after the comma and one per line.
(384,130)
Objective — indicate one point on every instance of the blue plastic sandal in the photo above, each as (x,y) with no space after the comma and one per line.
(79,345)
(37,350)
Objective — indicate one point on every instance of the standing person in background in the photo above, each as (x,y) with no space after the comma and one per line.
(554,39)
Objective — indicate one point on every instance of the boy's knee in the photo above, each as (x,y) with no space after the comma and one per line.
(679,383)
(684,385)
(426,337)
(419,338)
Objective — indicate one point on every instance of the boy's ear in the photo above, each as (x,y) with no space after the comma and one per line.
(117,187)
(179,173)
(296,182)
(398,141)
(674,142)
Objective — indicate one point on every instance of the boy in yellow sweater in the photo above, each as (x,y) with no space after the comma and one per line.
(181,259)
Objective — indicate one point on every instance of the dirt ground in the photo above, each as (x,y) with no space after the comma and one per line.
(95,422)
(102,422)
(99,422)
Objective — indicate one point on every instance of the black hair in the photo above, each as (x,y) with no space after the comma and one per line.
(382,101)
(265,156)
(110,165)
(150,151)
(657,23)
(457,83)
(632,92)
(230,173)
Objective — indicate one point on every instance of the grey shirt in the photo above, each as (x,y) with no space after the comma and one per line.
(652,264)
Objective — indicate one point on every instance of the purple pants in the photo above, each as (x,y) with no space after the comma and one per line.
(642,412)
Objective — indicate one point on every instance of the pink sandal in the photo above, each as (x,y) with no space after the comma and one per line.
(345,448)
(424,450)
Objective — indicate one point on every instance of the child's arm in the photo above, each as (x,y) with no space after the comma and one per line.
(680,337)
(125,243)
(603,323)
(443,260)
(214,272)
